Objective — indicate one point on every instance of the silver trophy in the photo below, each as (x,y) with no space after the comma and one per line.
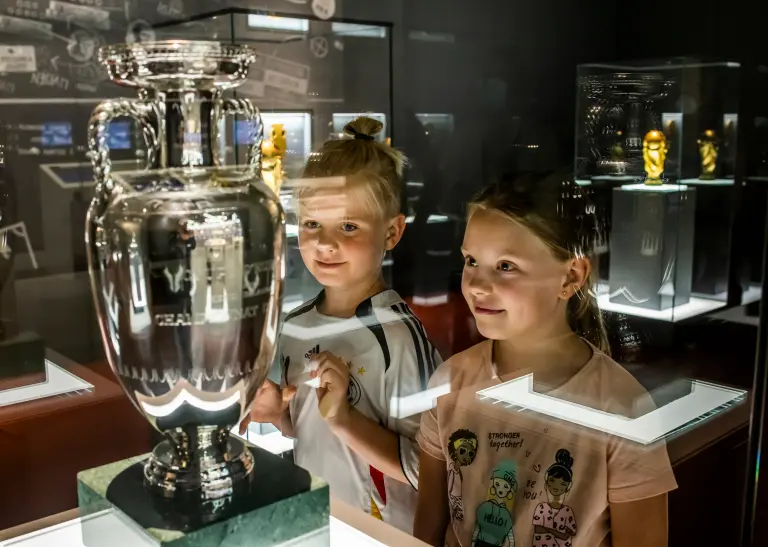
(186,262)
(620,109)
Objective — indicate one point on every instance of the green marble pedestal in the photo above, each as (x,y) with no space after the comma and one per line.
(283,513)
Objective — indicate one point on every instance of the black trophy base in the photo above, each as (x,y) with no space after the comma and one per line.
(22,360)
(280,502)
(652,246)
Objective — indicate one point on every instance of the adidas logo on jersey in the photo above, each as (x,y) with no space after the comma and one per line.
(311,352)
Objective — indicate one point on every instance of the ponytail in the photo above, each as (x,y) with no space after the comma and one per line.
(586,319)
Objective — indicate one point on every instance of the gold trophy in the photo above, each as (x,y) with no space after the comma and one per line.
(272,154)
(654,153)
(708,151)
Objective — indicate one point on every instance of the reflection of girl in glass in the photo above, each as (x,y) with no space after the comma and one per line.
(554,523)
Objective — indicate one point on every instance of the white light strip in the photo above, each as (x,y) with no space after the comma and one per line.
(664,188)
(713,182)
(59,382)
(270,22)
(382,317)
(402,407)
(292,230)
(161,411)
(693,308)
(655,425)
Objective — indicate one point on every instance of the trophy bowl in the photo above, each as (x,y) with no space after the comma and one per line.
(627,85)
(177,64)
(186,264)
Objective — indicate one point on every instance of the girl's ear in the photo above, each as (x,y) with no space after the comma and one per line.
(394,231)
(577,274)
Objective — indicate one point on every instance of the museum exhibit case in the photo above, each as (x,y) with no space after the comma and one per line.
(656,147)
(21,352)
(94,403)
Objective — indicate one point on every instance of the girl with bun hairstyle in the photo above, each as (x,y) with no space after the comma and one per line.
(554,522)
(528,281)
(352,352)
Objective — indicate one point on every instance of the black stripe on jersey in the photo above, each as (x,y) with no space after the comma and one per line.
(402,464)
(304,308)
(429,349)
(420,353)
(284,364)
(365,312)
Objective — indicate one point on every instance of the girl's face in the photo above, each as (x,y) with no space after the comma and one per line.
(341,242)
(502,488)
(557,487)
(512,282)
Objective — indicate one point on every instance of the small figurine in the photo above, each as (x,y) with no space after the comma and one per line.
(654,154)
(617,152)
(272,154)
(708,150)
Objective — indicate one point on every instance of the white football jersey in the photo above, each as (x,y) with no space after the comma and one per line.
(389,358)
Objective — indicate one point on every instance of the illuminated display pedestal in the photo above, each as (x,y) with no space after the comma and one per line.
(652,245)
(283,502)
(712,238)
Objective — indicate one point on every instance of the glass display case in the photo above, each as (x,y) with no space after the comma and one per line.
(671,164)
(665,206)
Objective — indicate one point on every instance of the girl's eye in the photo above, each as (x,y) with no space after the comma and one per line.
(506,267)
(348,227)
(311,224)
(469,261)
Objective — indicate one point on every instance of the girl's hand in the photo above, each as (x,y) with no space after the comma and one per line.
(334,386)
(268,405)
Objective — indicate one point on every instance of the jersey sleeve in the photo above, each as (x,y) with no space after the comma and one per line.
(406,383)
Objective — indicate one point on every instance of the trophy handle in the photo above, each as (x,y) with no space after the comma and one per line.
(245,109)
(143,111)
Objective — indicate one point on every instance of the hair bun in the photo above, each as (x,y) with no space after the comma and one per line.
(363,126)
(563,457)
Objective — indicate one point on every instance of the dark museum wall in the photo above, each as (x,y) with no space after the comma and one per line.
(709,29)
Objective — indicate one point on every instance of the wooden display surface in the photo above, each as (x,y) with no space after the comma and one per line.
(46,442)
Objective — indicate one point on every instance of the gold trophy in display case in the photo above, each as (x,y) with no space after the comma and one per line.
(708,151)
(272,153)
(654,154)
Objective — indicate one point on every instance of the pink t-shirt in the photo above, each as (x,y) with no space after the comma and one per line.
(520,478)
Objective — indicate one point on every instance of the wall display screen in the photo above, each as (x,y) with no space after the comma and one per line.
(119,135)
(56,134)
(244,133)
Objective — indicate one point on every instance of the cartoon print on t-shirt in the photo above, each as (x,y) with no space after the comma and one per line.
(493,518)
(554,523)
(462,448)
